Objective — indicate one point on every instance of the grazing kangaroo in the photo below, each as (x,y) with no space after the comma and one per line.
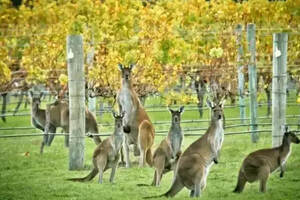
(167,154)
(138,128)
(57,115)
(259,164)
(106,154)
(194,164)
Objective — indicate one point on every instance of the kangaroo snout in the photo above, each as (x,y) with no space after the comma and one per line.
(220,117)
(176,119)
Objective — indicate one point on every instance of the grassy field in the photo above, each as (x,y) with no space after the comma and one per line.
(25,174)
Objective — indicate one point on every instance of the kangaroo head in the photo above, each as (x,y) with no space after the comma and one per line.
(126,71)
(291,137)
(176,115)
(216,109)
(36,100)
(118,119)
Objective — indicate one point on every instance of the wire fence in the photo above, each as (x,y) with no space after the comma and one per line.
(105,110)
(162,125)
(158,133)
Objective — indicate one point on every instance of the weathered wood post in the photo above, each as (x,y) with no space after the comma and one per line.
(252,81)
(279,84)
(240,67)
(76,101)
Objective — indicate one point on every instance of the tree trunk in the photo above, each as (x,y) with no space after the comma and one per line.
(4,102)
(19,103)
(200,89)
(269,100)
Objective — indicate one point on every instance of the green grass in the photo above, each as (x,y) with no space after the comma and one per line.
(25,174)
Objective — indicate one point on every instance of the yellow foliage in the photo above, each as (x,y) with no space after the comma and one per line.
(5,73)
(63,79)
(298,99)
(158,38)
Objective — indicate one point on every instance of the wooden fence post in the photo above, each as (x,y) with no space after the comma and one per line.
(76,101)
(252,81)
(279,84)
(240,66)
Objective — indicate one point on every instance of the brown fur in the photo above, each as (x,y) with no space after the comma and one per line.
(38,116)
(57,115)
(138,128)
(193,165)
(167,154)
(106,155)
(259,164)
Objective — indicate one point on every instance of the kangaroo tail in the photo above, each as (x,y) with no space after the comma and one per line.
(175,188)
(89,177)
(146,139)
(153,197)
(240,183)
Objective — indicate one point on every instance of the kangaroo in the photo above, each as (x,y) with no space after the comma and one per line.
(38,118)
(259,164)
(106,154)
(167,154)
(193,165)
(138,128)
(57,115)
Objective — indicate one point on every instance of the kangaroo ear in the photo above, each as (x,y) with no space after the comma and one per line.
(222,103)
(171,111)
(131,66)
(181,109)
(120,66)
(286,128)
(209,103)
(122,114)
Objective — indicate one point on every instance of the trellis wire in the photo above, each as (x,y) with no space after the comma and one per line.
(160,133)
(108,111)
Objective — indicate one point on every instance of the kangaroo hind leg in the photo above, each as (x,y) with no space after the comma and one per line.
(159,168)
(264,173)
(101,163)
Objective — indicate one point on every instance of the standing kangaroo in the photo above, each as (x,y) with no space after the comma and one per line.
(38,116)
(106,154)
(167,154)
(194,164)
(259,164)
(138,128)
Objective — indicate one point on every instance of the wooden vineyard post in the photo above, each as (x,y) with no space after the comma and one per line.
(241,78)
(279,84)
(252,81)
(76,82)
